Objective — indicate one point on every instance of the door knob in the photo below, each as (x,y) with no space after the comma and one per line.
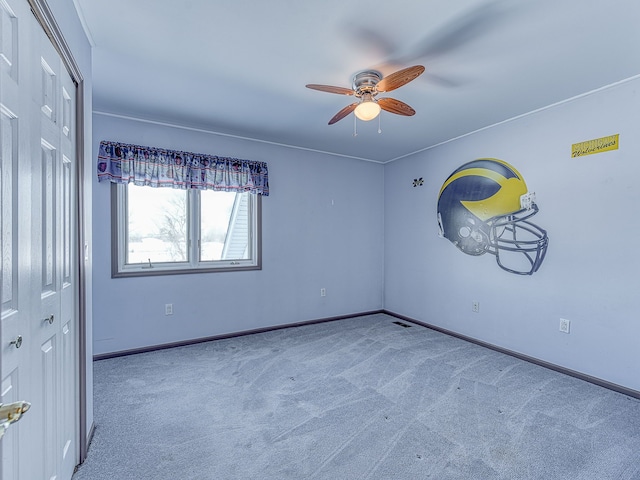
(17,342)
(49,319)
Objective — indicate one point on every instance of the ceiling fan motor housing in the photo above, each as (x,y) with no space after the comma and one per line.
(365,82)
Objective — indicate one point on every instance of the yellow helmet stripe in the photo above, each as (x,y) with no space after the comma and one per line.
(480,172)
(507,201)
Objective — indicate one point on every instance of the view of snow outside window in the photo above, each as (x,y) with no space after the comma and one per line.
(158,224)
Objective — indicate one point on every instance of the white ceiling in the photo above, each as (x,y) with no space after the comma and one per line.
(239,67)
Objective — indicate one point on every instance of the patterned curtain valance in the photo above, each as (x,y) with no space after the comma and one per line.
(157,167)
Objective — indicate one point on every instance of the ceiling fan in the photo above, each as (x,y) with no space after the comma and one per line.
(366,86)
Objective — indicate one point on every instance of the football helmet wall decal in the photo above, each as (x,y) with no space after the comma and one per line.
(484,207)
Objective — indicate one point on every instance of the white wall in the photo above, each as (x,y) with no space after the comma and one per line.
(588,205)
(67,19)
(308,243)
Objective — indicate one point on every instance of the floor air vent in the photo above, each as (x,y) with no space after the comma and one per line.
(405,325)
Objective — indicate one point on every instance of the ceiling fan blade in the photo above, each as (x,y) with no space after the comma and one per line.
(462,30)
(343,113)
(331,89)
(392,105)
(370,39)
(399,78)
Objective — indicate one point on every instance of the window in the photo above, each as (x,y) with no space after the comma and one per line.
(160,231)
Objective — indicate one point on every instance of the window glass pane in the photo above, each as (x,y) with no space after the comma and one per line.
(224,225)
(157,225)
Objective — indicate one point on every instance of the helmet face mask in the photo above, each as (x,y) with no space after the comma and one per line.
(518,244)
(484,206)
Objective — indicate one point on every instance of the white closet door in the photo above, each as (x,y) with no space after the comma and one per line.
(39,294)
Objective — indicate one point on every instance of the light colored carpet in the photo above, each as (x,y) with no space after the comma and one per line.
(361,398)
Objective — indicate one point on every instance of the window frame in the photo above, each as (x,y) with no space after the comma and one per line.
(119,234)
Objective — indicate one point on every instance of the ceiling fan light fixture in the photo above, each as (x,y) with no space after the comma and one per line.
(367,110)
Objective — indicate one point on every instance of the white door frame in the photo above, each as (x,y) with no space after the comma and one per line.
(45,18)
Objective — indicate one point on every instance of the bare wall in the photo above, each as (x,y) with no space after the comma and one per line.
(322,228)
(588,205)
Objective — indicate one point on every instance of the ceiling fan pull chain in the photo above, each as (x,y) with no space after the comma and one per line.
(355,126)
(379,123)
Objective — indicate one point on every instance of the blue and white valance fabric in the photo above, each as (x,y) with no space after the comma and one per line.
(157,167)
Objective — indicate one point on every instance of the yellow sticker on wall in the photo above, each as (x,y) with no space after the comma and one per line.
(598,145)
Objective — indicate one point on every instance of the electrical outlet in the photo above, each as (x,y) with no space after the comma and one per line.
(168,309)
(565,325)
(323,292)
(475,307)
